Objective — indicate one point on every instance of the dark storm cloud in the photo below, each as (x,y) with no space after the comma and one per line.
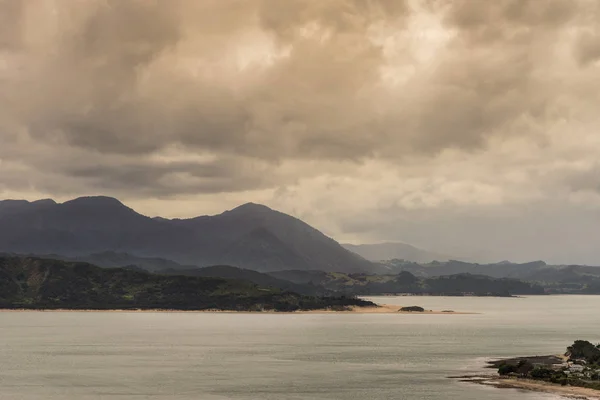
(452,124)
(100,91)
(85,91)
(279,81)
(169,179)
(489,76)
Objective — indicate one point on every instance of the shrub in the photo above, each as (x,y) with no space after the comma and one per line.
(412,309)
(583,349)
(542,373)
(506,369)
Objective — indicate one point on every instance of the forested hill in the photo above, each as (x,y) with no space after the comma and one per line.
(405,282)
(28,282)
(258,278)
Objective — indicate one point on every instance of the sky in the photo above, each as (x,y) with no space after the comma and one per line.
(467,127)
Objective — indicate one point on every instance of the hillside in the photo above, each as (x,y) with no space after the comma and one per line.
(554,278)
(258,278)
(498,270)
(111,259)
(568,279)
(251,236)
(405,282)
(27,282)
(389,251)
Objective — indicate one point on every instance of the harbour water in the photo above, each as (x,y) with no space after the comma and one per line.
(185,356)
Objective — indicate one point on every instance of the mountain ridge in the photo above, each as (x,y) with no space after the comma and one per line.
(250,236)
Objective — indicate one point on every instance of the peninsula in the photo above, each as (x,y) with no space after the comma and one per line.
(47,284)
(574,374)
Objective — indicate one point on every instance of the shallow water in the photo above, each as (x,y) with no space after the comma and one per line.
(182,356)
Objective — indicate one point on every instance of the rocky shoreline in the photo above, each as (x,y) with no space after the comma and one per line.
(576,374)
(573,392)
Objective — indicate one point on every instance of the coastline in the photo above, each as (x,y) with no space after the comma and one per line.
(573,392)
(381,309)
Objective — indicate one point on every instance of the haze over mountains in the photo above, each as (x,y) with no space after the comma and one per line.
(250,236)
(402,251)
(104,231)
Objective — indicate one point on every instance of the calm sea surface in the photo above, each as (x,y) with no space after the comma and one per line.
(184,356)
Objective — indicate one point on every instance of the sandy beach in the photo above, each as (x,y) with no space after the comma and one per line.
(381,309)
(536,386)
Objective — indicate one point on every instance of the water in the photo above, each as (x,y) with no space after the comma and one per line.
(186,356)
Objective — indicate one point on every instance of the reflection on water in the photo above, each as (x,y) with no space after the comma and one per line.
(158,356)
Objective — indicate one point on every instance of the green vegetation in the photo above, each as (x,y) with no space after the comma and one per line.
(506,369)
(554,279)
(582,368)
(405,282)
(35,283)
(261,279)
(412,309)
(584,350)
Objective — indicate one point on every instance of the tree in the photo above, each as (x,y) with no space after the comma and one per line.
(542,373)
(582,349)
(506,369)
(524,367)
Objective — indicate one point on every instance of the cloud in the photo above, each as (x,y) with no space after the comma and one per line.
(343,112)
(277,80)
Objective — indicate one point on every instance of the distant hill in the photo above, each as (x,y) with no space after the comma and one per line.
(570,274)
(501,270)
(389,251)
(27,282)
(261,279)
(554,278)
(568,279)
(251,236)
(405,282)
(111,259)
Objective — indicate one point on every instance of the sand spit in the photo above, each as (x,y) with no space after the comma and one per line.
(383,309)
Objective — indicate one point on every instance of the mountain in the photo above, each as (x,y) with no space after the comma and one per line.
(27,282)
(400,251)
(251,236)
(16,206)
